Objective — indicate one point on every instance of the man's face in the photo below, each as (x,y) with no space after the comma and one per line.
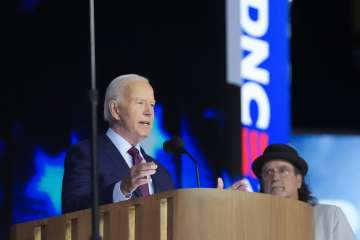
(279,178)
(134,114)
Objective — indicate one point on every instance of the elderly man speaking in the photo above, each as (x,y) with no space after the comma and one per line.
(125,170)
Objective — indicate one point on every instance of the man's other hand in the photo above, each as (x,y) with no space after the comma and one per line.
(241,185)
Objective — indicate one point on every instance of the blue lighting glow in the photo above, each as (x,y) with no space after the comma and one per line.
(188,178)
(210,113)
(74,138)
(28,5)
(226,178)
(46,184)
(214,114)
(153,145)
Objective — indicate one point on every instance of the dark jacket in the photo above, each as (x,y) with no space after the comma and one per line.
(76,187)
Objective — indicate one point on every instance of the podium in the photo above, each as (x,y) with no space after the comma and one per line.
(187,214)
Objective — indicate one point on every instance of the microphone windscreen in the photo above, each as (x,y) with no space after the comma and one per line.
(167,146)
(174,145)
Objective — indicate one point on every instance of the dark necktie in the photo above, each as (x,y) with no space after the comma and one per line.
(134,152)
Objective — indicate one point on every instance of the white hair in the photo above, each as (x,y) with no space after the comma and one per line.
(115,91)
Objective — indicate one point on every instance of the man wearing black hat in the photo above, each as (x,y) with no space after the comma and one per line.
(281,172)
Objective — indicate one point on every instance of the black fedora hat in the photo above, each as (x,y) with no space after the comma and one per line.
(279,152)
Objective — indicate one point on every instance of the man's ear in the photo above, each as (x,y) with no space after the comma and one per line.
(299,180)
(114,109)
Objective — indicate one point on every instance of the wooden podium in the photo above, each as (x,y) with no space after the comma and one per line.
(188,214)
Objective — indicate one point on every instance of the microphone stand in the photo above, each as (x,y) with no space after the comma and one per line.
(176,145)
(93,95)
(196,167)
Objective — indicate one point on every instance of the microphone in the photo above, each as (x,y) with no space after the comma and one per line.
(176,145)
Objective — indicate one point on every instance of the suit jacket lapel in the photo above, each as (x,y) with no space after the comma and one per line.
(112,152)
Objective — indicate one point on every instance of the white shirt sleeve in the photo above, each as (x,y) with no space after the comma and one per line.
(118,196)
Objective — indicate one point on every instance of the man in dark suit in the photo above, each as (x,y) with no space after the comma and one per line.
(125,171)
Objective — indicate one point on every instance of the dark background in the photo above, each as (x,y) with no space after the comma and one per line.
(326,65)
(180,47)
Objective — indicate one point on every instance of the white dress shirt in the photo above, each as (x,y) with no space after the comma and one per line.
(123,146)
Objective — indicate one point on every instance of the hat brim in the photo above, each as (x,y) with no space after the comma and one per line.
(297,161)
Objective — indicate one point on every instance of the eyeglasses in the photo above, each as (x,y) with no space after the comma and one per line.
(270,172)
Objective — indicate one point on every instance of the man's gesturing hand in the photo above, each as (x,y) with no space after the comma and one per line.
(139,175)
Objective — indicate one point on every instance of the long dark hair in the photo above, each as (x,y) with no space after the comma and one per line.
(304,191)
(305,194)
